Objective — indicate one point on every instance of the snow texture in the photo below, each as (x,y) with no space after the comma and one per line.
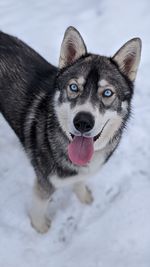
(115,230)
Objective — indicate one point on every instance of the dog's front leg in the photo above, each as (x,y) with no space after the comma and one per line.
(83,193)
(38,210)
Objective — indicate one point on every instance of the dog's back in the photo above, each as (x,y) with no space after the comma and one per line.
(23,73)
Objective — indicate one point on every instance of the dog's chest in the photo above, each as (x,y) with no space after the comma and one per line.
(83,172)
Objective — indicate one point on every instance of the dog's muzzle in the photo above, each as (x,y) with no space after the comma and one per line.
(81,149)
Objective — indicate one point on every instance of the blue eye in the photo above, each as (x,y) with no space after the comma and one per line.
(107,93)
(73,87)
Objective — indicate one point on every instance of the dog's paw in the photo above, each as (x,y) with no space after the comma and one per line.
(87,197)
(83,193)
(41,226)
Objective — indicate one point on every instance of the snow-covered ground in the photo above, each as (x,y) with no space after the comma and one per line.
(115,230)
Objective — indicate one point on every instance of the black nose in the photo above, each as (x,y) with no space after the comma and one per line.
(83,122)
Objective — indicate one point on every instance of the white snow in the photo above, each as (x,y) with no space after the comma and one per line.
(115,230)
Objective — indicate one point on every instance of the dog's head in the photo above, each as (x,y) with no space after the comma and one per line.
(92,102)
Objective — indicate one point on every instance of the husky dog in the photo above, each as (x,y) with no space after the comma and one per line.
(69,119)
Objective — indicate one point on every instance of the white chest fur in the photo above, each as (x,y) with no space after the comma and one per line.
(83,172)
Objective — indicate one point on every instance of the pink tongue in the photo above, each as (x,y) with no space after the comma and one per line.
(80,150)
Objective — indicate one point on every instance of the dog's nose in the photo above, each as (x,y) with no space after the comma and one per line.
(83,122)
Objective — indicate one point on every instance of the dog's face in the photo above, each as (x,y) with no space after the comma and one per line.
(92,102)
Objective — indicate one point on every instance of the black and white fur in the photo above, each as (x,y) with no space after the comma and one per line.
(36,101)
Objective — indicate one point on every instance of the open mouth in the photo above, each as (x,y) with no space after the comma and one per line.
(81,149)
(96,136)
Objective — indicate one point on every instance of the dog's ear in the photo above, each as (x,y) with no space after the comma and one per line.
(72,48)
(128,58)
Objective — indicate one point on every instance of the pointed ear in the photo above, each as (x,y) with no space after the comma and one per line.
(72,47)
(128,58)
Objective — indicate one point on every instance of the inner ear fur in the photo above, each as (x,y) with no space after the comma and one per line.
(128,58)
(72,47)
